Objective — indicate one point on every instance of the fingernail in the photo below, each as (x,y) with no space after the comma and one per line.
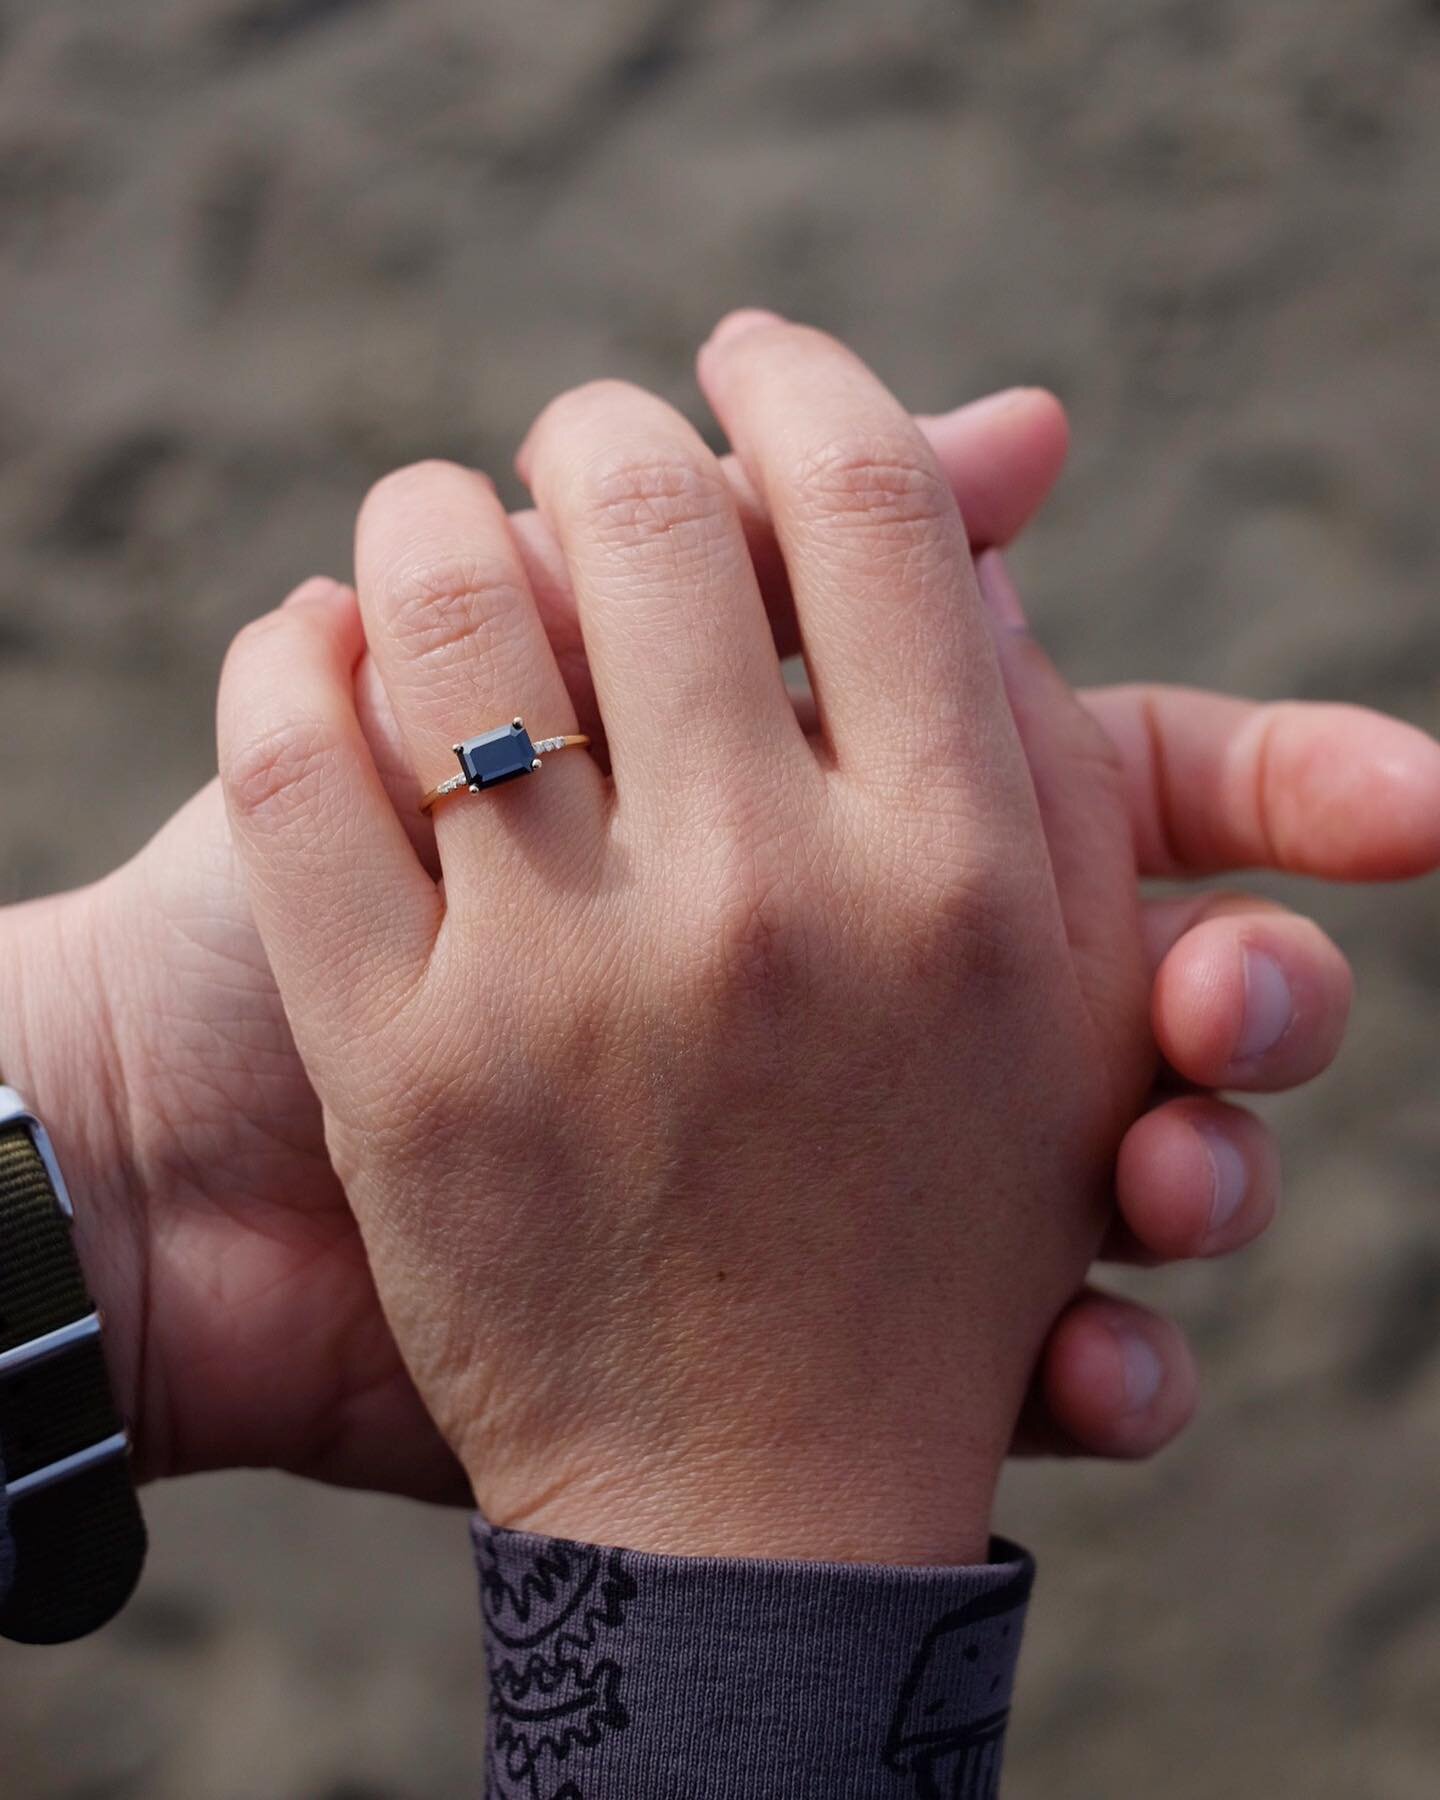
(1229,1177)
(1000,594)
(1269,1007)
(736,324)
(1142,1368)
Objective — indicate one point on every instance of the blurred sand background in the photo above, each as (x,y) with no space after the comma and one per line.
(255,252)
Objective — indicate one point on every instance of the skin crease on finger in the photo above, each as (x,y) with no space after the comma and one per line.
(189,1125)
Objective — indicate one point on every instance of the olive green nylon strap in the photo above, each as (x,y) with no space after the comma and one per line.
(79,1543)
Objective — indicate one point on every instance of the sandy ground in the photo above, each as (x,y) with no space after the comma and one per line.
(253,252)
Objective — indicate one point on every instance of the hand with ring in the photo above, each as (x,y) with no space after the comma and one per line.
(157,1045)
(771,1050)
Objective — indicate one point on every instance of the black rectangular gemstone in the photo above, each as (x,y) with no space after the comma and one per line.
(496,756)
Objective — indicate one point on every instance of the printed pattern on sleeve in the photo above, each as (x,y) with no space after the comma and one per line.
(620,1675)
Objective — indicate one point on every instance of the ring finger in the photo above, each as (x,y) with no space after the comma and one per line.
(460,647)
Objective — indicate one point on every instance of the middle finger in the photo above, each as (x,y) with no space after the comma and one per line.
(902,663)
(685,668)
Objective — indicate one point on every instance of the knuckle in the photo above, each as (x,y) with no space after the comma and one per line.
(752,943)
(955,919)
(637,498)
(880,479)
(273,774)
(455,600)
(745,946)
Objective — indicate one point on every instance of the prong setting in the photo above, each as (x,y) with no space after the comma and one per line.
(497,756)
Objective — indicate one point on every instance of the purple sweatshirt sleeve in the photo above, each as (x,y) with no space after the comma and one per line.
(619,1675)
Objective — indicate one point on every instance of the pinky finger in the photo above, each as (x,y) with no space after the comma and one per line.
(1115,1380)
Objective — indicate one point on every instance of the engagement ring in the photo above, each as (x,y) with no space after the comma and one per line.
(497,756)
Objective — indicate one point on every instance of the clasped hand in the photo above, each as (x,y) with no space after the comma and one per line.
(761,1052)
(728,1131)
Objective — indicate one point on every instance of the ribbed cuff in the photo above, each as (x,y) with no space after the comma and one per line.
(620,1675)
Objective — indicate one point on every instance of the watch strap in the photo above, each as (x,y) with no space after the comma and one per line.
(74,1521)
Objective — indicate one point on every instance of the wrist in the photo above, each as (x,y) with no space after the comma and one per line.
(888,1505)
(57,1051)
